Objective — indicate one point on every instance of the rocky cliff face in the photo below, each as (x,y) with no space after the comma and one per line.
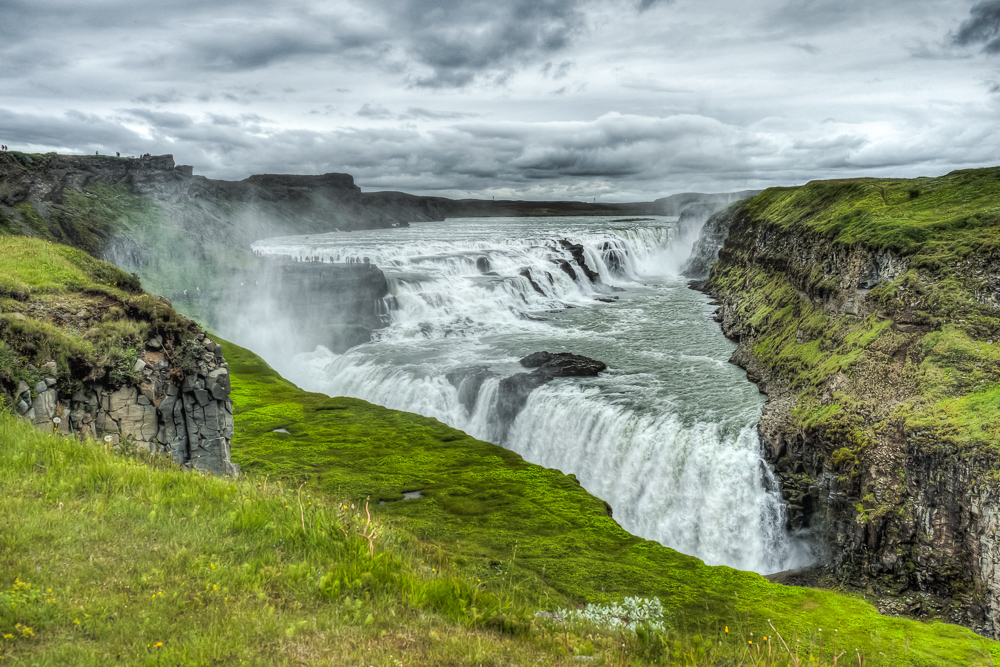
(85,352)
(184,414)
(846,340)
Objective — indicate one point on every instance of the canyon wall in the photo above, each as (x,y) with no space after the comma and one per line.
(881,373)
(185,413)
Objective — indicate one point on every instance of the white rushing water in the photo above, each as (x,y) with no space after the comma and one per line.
(666,435)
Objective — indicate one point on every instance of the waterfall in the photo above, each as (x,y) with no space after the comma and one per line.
(667,435)
(705,251)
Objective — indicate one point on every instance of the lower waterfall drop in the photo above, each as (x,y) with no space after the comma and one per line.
(667,435)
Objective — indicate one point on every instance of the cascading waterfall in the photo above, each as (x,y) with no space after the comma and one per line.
(666,435)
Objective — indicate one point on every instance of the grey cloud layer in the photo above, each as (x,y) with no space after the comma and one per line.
(437,43)
(532,98)
(652,155)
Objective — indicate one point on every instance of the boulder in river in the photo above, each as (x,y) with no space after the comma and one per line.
(563,364)
(513,391)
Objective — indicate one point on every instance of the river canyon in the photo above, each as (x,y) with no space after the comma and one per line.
(666,435)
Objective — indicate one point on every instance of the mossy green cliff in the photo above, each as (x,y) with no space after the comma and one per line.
(868,311)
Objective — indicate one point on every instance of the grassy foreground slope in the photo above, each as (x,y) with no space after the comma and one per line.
(106,559)
(512,524)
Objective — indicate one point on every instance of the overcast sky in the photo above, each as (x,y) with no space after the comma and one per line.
(533,99)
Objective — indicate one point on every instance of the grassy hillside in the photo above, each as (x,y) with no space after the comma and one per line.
(59,303)
(936,221)
(109,558)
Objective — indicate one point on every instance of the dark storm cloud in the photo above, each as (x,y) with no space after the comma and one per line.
(433,43)
(648,4)
(256,42)
(982,27)
(539,157)
(460,40)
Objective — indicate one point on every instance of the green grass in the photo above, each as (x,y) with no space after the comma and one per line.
(960,390)
(105,558)
(934,220)
(59,303)
(487,512)
(34,266)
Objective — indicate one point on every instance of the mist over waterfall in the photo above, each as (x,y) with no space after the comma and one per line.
(666,435)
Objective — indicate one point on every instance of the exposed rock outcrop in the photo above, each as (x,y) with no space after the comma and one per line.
(513,391)
(184,413)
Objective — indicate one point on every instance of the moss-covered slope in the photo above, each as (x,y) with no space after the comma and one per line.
(933,221)
(868,310)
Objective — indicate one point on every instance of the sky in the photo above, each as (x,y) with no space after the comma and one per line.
(615,100)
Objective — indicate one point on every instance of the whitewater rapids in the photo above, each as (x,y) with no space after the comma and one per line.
(667,435)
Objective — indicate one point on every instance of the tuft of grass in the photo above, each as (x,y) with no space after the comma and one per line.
(33,266)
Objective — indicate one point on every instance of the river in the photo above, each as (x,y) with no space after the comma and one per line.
(667,435)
